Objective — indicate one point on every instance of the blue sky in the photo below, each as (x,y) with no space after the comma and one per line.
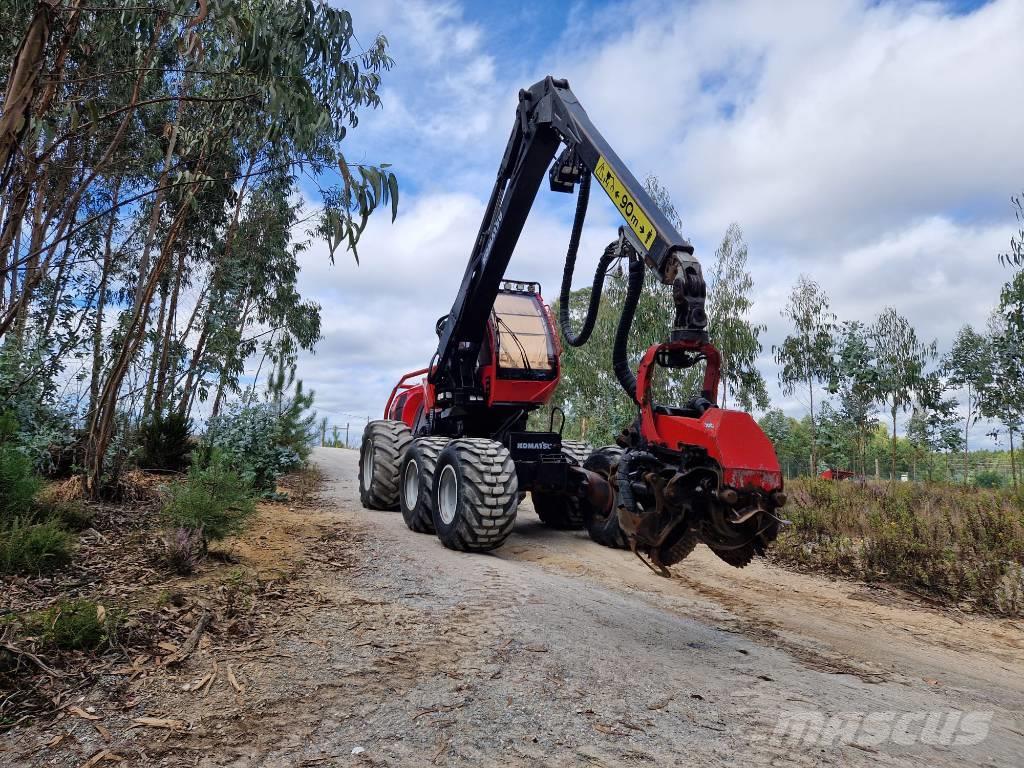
(872,146)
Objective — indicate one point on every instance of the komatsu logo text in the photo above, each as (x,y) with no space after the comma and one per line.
(535,446)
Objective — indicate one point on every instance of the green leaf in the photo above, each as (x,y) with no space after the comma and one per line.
(393,193)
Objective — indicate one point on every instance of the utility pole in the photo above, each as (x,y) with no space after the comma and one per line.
(346,434)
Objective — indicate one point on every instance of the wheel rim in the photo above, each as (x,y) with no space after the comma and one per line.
(448,494)
(411,484)
(368,466)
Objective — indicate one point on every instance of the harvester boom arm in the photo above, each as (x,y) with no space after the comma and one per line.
(549,116)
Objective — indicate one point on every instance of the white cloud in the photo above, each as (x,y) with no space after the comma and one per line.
(870,145)
(378,318)
(814,122)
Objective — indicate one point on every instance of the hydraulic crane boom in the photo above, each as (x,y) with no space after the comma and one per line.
(549,116)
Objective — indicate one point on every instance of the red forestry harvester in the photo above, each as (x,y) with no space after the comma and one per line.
(453,450)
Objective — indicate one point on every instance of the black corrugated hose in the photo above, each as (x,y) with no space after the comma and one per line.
(578,340)
(620,360)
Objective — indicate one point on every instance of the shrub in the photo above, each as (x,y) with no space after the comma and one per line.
(76,625)
(961,544)
(166,442)
(214,502)
(34,548)
(18,485)
(184,550)
(988,478)
(252,440)
(264,440)
(72,515)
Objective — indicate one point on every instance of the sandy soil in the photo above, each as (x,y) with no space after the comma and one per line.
(554,651)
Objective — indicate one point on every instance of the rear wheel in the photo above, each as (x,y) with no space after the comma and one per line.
(604,527)
(417,473)
(384,442)
(475,495)
(557,510)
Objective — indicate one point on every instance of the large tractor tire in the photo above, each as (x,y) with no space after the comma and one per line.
(602,528)
(416,498)
(476,494)
(557,510)
(384,442)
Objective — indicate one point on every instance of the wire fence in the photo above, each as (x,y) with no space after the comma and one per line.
(346,434)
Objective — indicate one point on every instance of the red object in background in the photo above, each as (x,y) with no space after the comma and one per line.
(838,474)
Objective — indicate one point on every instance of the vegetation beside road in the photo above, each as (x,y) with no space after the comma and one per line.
(959,546)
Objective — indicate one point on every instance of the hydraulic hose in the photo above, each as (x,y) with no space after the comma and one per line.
(620,359)
(578,340)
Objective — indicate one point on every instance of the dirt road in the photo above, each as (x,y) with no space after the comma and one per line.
(557,651)
(552,651)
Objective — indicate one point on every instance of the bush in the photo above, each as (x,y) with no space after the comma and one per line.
(37,548)
(988,478)
(18,485)
(264,440)
(214,502)
(76,625)
(958,543)
(253,440)
(166,442)
(184,550)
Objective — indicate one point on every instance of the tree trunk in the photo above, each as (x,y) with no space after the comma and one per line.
(169,335)
(1013,461)
(28,64)
(71,208)
(101,302)
(967,430)
(892,478)
(188,395)
(814,432)
(102,423)
(147,400)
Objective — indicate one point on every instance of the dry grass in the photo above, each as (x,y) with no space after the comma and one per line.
(301,487)
(132,487)
(965,546)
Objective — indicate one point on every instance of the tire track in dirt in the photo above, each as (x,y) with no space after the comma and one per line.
(556,651)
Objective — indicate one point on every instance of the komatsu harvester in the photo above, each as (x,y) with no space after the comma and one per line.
(453,450)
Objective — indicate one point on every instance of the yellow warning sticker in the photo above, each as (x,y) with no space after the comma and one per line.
(628,207)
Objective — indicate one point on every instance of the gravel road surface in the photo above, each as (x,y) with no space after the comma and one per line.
(555,651)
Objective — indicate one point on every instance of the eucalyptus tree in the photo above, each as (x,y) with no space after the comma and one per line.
(805,355)
(737,338)
(969,365)
(1015,256)
(934,424)
(900,362)
(131,138)
(1003,399)
(855,382)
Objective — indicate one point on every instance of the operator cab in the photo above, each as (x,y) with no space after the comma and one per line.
(522,334)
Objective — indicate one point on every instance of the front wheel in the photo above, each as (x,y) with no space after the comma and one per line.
(384,443)
(416,492)
(475,495)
